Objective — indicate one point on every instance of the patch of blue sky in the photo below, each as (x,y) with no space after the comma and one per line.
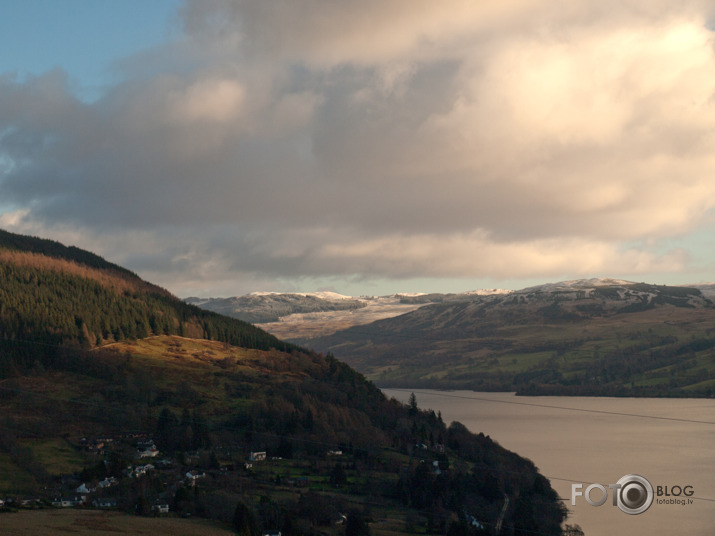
(698,250)
(81,37)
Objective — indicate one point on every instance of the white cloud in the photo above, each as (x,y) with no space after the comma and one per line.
(308,138)
(211,100)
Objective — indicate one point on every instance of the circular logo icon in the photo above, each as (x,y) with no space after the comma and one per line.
(635,494)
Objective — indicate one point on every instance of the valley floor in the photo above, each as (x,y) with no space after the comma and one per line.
(82,522)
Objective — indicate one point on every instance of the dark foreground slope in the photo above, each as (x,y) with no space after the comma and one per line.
(163,415)
(596,337)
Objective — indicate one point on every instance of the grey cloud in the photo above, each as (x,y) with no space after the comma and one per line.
(342,142)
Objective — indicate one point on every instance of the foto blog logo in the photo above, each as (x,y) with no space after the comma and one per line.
(632,494)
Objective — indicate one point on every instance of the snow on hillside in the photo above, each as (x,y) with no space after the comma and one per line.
(575,284)
(488,292)
(323,295)
(707,289)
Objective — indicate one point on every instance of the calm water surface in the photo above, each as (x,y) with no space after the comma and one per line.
(573,445)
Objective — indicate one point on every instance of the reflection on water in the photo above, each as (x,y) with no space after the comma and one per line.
(599,440)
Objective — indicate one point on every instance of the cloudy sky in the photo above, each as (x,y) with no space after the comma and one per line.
(218,147)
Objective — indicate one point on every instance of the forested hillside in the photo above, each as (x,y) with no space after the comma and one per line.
(111,391)
(52,295)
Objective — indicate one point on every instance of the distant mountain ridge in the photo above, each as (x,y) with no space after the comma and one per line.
(597,336)
(264,307)
(261,307)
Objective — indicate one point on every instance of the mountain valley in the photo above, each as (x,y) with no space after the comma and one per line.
(586,337)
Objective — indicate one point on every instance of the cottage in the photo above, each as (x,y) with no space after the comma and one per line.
(160,508)
(193,476)
(141,470)
(68,502)
(105,503)
(83,489)
(435,467)
(257,456)
(148,453)
(108,482)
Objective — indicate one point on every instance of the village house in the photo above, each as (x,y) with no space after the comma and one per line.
(140,470)
(193,476)
(105,503)
(148,453)
(257,456)
(435,468)
(108,482)
(160,508)
(83,489)
(68,502)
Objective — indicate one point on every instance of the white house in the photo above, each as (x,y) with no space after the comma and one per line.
(435,467)
(193,476)
(67,502)
(148,453)
(107,482)
(83,489)
(160,508)
(140,470)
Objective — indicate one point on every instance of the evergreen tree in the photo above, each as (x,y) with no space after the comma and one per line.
(356,524)
(412,404)
(244,520)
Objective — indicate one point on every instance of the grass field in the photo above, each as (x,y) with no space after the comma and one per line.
(13,478)
(57,456)
(95,523)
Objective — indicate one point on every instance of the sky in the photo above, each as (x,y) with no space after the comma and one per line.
(367,147)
